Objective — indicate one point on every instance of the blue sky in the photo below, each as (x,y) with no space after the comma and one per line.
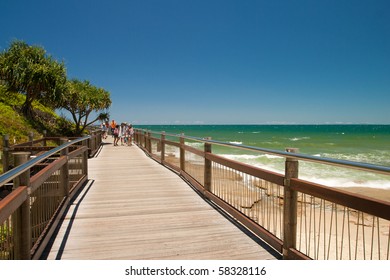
(219,61)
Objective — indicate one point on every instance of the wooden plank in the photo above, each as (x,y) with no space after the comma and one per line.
(134,208)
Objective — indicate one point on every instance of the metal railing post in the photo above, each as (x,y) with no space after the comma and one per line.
(290,205)
(21,217)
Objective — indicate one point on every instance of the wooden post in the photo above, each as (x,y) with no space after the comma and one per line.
(182,153)
(98,138)
(89,146)
(85,159)
(136,136)
(5,156)
(31,138)
(145,139)
(147,135)
(290,205)
(159,146)
(207,166)
(163,147)
(64,172)
(96,142)
(93,142)
(44,138)
(149,148)
(22,230)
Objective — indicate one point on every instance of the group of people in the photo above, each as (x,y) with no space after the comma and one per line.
(121,132)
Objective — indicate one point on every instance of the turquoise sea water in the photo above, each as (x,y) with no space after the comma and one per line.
(359,143)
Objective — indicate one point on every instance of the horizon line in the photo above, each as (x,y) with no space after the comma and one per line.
(336,123)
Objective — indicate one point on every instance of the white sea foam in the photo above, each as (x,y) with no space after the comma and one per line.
(235,142)
(375,157)
(276,143)
(241,157)
(249,157)
(270,168)
(260,161)
(194,144)
(318,173)
(271,156)
(299,138)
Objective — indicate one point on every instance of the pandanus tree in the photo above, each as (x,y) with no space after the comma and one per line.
(31,71)
(83,100)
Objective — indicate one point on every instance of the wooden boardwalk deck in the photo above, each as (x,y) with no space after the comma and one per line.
(133,208)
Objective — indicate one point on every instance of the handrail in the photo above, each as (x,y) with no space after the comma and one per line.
(40,196)
(9,175)
(330,161)
(300,219)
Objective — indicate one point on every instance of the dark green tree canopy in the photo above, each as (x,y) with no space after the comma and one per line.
(31,71)
(81,99)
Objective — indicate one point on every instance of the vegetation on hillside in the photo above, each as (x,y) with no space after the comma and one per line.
(34,84)
(17,126)
(31,71)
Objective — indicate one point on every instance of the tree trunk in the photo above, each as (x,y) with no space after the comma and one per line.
(27,109)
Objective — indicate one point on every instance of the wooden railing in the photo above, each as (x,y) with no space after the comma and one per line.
(300,219)
(46,174)
(43,144)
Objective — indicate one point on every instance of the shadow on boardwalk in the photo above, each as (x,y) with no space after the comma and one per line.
(133,208)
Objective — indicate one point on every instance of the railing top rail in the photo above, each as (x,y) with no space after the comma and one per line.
(13,173)
(330,161)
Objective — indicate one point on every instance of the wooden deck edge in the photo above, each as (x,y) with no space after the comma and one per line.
(256,229)
(43,241)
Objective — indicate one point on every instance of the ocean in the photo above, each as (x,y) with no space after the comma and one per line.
(358,143)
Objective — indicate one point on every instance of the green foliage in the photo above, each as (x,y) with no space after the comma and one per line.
(29,70)
(11,122)
(4,233)
(81,99)
(33,84)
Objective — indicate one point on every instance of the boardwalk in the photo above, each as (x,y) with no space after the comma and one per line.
(133,208)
